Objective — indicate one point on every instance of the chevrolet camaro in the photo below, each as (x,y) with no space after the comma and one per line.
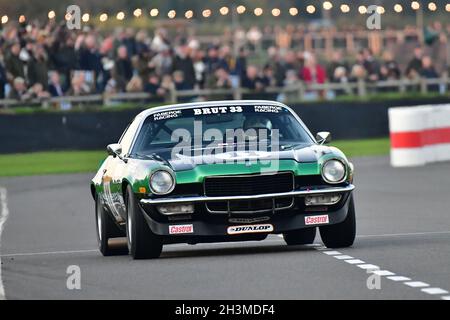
(222,171)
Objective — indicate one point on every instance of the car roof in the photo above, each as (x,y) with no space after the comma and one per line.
(149,111)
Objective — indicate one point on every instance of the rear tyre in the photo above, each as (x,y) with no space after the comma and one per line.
(298,237)
(142,242)
(343,234)
(106,229)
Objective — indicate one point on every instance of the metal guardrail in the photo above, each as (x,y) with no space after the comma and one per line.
(293,93)
(327,41)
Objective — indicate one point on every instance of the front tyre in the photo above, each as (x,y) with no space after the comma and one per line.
(342,234)
(142,242)
(298,237)
(106,229)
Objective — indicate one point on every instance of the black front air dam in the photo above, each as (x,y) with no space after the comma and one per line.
(280,223)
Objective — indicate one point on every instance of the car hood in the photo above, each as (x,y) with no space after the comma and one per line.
(180,162)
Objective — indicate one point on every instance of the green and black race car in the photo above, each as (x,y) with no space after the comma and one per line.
(222,171)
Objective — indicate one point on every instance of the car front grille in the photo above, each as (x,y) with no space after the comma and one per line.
(246,185)
(250,206)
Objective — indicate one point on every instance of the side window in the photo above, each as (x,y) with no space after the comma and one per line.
(127,137)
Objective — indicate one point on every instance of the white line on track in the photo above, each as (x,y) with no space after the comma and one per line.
(399,278)
(417,284)
(435,291)
(383,273)
(4,212)
(331,253)
(343,257)
(354,261)
(424,287)
(405,234)
(368,266)
(316,246)
(47,253)
(402,234)
(96,250)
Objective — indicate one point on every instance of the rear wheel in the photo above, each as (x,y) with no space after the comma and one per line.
(142,242)
(302,236)
(342,234)
(106,229)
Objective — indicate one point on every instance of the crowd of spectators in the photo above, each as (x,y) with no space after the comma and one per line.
(44,61)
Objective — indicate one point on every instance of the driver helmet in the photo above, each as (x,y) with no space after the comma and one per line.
(257,122)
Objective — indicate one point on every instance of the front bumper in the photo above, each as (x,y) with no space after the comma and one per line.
(295,193)
(281,221)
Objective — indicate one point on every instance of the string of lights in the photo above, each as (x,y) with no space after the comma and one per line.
(240,10)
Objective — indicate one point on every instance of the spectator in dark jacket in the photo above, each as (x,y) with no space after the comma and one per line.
(3,80)
(13,63)
(429,72)
(337,62)
(183,63)
(89,57)
(129,42)
(213,61)
(154,87)
(415,65)
(179,81)
(123,67)
(55,87)
(389,70)
(371,65)
(38,67)
(64,58)
(252,80)
(241,64)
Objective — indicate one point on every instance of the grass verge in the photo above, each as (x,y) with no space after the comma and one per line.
(363,147)
(58,162)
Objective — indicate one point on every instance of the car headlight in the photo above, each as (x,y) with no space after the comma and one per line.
(333,171)
(162,182)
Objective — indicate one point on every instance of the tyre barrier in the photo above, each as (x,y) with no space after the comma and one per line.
(419,134)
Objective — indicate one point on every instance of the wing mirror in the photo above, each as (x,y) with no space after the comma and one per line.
(114,149)
(323,137)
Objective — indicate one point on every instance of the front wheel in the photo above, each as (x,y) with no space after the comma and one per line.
(343,234)
(142,242)
(106,229)
(298,237)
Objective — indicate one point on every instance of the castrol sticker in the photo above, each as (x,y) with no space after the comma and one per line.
(322,219)
(181,229)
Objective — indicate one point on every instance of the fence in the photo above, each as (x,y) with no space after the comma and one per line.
(298,92)
(327,41)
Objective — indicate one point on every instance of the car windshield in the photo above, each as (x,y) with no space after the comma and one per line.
(224,125)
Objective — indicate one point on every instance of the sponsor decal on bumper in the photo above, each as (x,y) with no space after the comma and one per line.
(322,219)
(181,229)
(254,228)
(248,220)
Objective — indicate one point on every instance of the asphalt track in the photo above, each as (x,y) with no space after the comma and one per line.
(403,219)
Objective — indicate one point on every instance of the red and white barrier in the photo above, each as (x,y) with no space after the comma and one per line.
(419,135)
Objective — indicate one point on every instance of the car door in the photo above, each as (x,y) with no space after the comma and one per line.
(109,189)
(117,170)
